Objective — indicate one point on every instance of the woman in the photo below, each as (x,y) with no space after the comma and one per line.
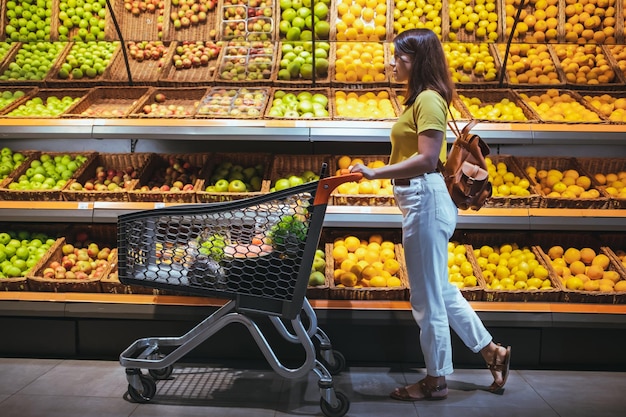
(429,218)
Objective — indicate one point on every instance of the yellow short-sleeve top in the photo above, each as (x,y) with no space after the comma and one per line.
(430,111)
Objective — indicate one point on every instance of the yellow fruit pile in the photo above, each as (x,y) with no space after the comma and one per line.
(590,21)
(364,186)
(467,59)
(563,184)
(478,18)
(615,183)
(460,270)
(555,107)
(613,108)
(585,270)
(585,64)
(538,23)
(508,267)
(529,64)
(365,263)
(417,14)
(360,62)
(505,109)
(619,53)
(359,105)
(506,183)
(361,20)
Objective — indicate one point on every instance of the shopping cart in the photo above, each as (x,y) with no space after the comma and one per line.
(257,253)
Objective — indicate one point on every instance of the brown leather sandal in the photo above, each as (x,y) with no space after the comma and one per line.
(502,367)
(430,393)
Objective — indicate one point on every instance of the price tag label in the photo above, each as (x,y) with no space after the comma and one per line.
(83,205)
(159,205)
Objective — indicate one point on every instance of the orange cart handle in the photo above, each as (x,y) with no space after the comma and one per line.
(328,184)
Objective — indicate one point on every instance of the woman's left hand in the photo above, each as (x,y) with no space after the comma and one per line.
(367,172)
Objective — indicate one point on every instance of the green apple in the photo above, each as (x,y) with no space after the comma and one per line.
(221,186)
(282,184)
(316,279)
(237,186)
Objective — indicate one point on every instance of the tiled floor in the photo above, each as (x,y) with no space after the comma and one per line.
(87,388)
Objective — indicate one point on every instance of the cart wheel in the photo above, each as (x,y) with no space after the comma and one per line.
(339,411)
(163,373)
(338,366)
(149,389)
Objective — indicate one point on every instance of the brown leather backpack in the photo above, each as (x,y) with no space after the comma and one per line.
(465,170)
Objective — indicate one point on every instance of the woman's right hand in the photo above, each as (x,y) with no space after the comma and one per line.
(368,173)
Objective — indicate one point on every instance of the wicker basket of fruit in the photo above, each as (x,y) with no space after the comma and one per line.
(198,23)
(511,185)
(602,70)
(147,61)
(292,73)
(246,64)
(372,73)
(12,162)
(254,20)
(71,72)
(234,103)
(473,65)
(108,177)
(463,269)
(540,25)
(296,104)
(374,25)
(34,248)
(13,71)
(488,27)
(179,103)
(559,106)
(521,278)
(563,183)
(107,102)
(363,104)
(496,105)
(530,66)
(138,23)
(234,176)
(609,175)
(610,104)
(44,177)
(45,103)
(365,192)
(319,281)
(584,269)
(170,178)
(378,275)
(193,64)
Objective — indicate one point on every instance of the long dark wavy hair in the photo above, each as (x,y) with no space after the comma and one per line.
(429,66)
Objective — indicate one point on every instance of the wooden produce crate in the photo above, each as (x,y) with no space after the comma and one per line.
(243,21)
(562,164)
(293,108)
(386,110)
(29,109)
(289,50)
(579,241)
(126,166)
(598,168)
(8,193)
(159,172)
(9,64)
(306,33)
(450,31)
(200,27)
(234,103)
(373,70)
(246,64)
(147,61)
(107,102)
(610,104)
(105,29)
(182,70)
(139,25)
(43,232)
(598,59)
(306,167)
(473,65)
(499,200)
(554,15)
(530,65)
(111,283)
(497,243)
(260,161)
(545,102)
(340,196)
(492,105)
(69,60)
(384,32)
(180,103)
(339,291)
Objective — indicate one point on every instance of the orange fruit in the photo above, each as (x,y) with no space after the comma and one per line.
(344,162)
(571,255)
(602,260)
(577,267)
(587,255)
(620,286)
(555,252)
(595,272)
